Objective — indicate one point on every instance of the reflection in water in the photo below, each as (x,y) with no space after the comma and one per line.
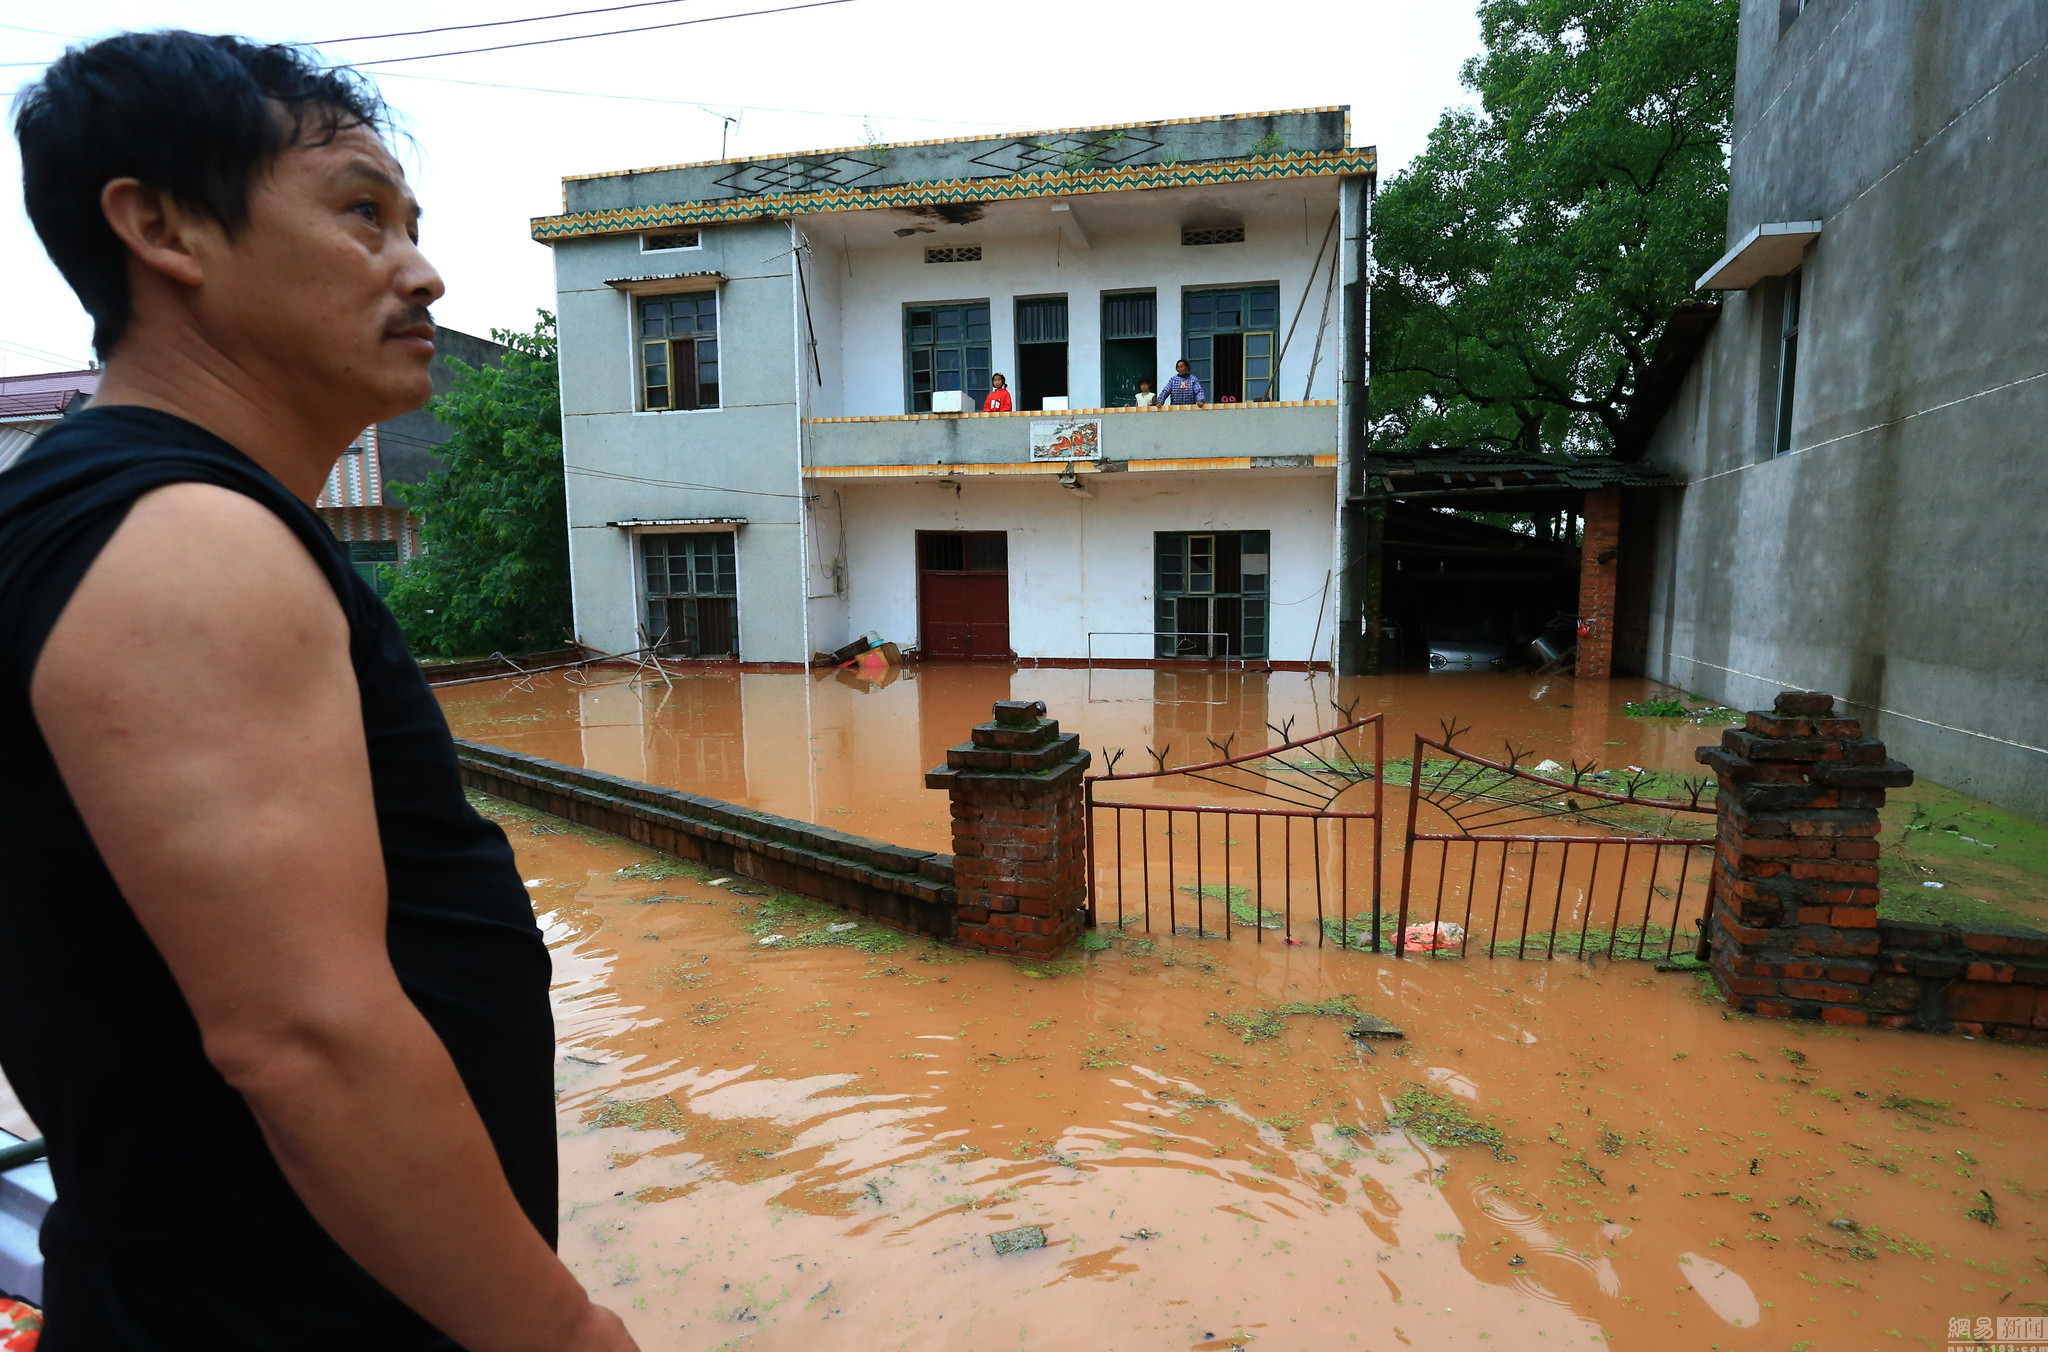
(757,1152)
(851,754)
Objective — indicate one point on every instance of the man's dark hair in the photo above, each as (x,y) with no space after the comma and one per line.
(195,117)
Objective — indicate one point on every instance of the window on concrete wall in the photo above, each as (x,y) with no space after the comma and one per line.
(1227,340)
(1041,350)
(1130,345)
(679,351)
(692,585)
(1788,359)
(1212,591)
(945,347)
(372,559)
(1788,13)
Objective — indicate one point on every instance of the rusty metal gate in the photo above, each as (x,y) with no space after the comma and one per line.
(1293,824)
(1631,881)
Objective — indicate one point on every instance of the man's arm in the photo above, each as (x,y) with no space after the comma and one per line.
(198,697)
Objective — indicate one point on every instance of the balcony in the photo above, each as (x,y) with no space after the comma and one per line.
(1279,435)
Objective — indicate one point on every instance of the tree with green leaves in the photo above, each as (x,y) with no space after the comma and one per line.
(1530,258)
(493,574)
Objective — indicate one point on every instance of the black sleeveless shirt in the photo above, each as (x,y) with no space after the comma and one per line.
(174,1227)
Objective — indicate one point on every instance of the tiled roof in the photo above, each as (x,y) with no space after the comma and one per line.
(1060,183)
(963,140)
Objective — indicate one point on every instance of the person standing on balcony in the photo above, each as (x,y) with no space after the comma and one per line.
(998,400)
(1144,398)
(1181,388)
(236,838)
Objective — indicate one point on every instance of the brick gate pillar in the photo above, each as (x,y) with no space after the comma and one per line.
(1599,566)
(1793,923)
(1020,834)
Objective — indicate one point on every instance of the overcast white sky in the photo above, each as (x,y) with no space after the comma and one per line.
(486,159)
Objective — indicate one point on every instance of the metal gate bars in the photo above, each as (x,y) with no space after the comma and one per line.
(1603,893)
(1301,843)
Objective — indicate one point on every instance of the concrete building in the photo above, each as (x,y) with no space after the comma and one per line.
(760,357)
(1861,434)
(374,524)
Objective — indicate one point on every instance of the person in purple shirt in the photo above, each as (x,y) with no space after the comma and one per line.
(1181,388)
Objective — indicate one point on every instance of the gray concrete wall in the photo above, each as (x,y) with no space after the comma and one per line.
(1005,438)
(406,444)
(1898,553)
(737,460)
(1184,142)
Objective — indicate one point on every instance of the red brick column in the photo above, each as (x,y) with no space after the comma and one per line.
(1793,924)
(1020,835)
(1599,566)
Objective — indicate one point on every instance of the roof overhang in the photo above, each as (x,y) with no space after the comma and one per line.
(678,522)
(1770,250)
(1353,162)
(666,284)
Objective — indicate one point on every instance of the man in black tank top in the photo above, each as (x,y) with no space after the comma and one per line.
(276,999)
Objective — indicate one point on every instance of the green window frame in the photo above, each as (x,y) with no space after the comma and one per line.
(692,592)
(1211,593)
(1248,319)
(374,561)
(945,347)
(679,351)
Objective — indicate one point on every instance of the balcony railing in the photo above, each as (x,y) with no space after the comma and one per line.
(1292,434)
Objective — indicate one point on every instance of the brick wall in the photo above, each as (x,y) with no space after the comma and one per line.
(1794,930)
(1599,565)
(1977,982)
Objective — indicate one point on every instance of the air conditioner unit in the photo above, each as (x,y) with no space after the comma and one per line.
(1054,403)
(949,401)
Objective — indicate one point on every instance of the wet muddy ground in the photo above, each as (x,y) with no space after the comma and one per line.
(810,1142)
(850,753)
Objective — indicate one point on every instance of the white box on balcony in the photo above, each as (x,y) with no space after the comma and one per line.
(949,401)
(1054,403)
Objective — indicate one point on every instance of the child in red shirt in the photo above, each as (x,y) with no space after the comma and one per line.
(998,400)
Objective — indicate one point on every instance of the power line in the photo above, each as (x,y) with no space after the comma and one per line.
(616,32)
(589,473)
(686,103)
(459,27)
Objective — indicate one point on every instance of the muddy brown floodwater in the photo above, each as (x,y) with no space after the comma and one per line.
(809,1142)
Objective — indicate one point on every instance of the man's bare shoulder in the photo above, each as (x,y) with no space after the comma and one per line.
(199,582)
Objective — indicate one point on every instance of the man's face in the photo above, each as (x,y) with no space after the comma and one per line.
(326,288)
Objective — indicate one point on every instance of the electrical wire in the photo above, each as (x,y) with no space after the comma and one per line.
(674,483)
(612,33)
(711,108)
(492,23)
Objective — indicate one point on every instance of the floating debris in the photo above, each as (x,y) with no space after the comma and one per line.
(767,940)
(715,882)
(842,927)
(1518,1261)
(746,891)
(1020,1240)
(1142,1233)
(1372,1025)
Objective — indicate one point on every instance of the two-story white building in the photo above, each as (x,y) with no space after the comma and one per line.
(773,371)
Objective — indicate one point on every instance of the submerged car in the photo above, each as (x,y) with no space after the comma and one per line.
(1464,640)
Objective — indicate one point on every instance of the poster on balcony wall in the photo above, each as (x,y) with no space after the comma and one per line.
(1066,439)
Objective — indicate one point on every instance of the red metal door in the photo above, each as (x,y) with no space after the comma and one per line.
(963,595)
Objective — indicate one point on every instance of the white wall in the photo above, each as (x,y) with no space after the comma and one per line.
(877,282)
(1080,564)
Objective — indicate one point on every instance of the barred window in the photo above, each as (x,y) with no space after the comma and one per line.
(1222,234)
(677,239)
(954,253)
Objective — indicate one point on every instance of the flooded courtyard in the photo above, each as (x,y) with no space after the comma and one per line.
(813,1141)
